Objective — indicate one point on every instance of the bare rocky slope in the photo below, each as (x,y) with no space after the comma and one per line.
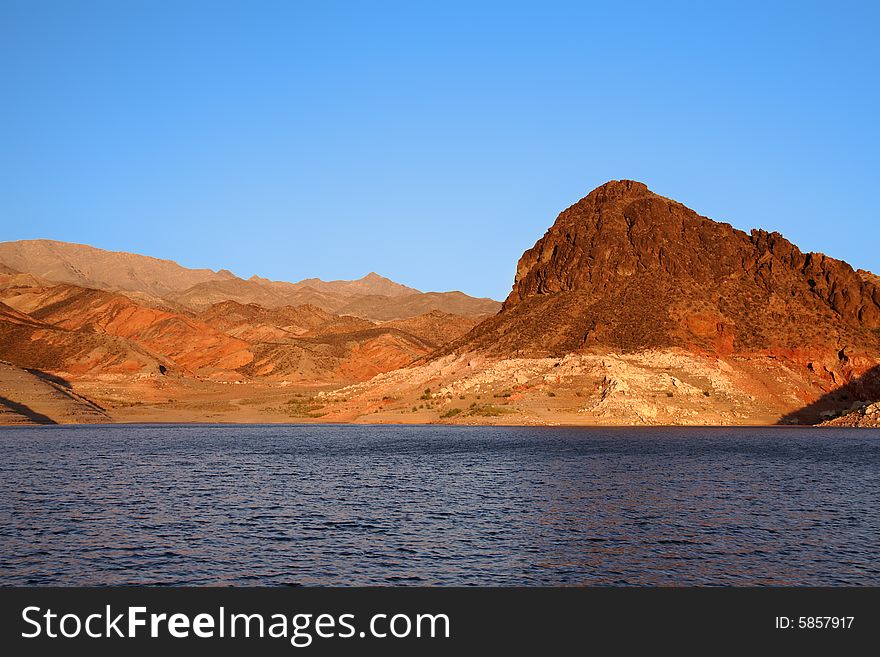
(83,333)
(167,285)
(865,415)
(33,397)
(628,270)
(86,266)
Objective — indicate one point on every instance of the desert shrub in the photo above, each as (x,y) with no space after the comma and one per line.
(487,410)
(303,408)
(452,412)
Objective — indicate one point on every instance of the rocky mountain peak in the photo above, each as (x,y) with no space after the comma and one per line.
(629,269)
(622,233)
(618,189)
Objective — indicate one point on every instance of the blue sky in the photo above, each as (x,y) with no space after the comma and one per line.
(432,142)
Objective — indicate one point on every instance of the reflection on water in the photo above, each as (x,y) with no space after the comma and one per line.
(287,505)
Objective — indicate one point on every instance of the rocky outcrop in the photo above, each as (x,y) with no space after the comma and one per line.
(622,232)
(627,269)
(863,415)
(435,328)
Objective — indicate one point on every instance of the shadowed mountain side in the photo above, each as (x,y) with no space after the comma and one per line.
(850,396)
(435,328)
(189,343)
(383,309)
(47,348)
(28,398)
(64,388)
(51,378)
(12,316)
(622,230)
(256,323)
(27,413)
(353,356)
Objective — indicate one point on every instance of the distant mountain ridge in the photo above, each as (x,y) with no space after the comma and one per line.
(88,313)
(164,283)
(370,284)
(87,266)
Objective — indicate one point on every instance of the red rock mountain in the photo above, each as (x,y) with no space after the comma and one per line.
(627,269)
(83,333)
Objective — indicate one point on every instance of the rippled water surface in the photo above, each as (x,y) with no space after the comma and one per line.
(290,505)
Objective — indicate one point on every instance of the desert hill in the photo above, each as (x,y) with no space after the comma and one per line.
(256,323)
(371,284)
(306,343)
(158,339)
(628,270)
(204,295)
(435,328)
(42,399)
(167,285)
(73,353)
(86,266)
(337,357)
(360,298)
(385,309)
(83,333)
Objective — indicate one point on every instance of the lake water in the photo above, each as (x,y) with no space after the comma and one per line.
(438,505)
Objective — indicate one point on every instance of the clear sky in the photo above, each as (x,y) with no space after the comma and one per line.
(432,142)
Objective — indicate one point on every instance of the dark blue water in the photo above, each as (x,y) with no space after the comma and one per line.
(290,505)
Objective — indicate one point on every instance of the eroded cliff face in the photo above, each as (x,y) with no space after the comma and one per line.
(627,269)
